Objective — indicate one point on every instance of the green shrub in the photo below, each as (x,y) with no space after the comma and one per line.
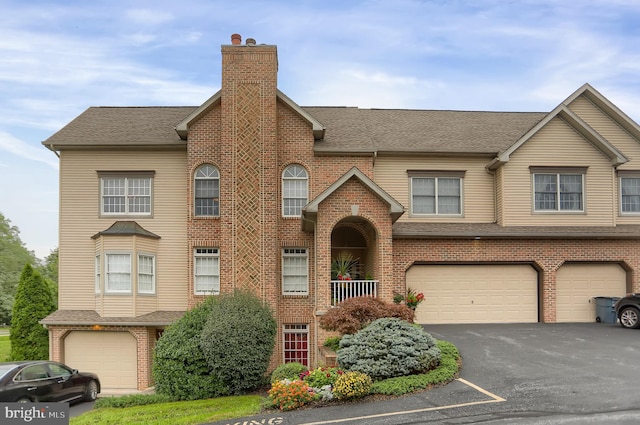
(446,371)
(355,313)
(33,302)
(332,343)
(180,368)
(290,371)
(388,348)
(289,395)
(351,385)
(238,339)
(318,378)
(131,400)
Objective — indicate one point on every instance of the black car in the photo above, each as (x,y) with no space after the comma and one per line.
(45,381)
(628,310)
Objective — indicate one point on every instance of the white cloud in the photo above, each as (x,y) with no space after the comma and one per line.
(23,149)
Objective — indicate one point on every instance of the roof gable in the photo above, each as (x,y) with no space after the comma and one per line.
(310,210)
(574,121)
(183,127)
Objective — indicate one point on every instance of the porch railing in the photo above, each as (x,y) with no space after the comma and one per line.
(344,289)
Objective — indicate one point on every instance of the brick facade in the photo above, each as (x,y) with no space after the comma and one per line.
(251,134)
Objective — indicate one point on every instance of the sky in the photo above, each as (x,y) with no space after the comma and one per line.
(57,58)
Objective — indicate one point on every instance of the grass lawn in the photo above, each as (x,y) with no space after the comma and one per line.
(5,348)
(175,413)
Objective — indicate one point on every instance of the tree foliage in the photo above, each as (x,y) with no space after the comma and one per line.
(13,257)
(355,313)
(238,340)
(33,302)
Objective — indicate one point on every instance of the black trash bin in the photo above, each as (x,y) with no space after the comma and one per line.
(605,311)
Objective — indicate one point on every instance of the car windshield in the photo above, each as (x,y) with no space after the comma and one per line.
(5,368)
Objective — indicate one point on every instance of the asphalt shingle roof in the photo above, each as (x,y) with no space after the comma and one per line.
(347,129)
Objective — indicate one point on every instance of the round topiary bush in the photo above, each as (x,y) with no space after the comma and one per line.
(180,369)
(238,339)
(290,371)
(387,348)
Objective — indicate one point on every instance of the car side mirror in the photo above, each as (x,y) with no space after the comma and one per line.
(74,371)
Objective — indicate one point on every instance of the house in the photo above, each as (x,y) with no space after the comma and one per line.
(494,216)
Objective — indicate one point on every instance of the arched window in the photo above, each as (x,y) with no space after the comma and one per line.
(294,190)
(207,191)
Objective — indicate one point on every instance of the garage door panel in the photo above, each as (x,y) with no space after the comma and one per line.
(577,284)
(111,355)
(475,293)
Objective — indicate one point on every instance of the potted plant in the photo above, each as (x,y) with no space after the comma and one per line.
(342,266)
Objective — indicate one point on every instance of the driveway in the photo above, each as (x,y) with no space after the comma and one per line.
(512,374)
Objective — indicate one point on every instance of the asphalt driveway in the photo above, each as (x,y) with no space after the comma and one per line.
(512,374)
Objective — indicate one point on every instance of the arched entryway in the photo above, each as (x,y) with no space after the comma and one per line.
(354,260)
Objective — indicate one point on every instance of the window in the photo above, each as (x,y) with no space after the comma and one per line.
(296,346)
(558,191)
(117,273)
(437,195)
(97,274)
(294,190)
(206,271)
(125,194)
(207,191)
(630,195)
(295,271)
(146,274)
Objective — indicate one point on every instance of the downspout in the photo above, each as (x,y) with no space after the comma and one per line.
(52,149)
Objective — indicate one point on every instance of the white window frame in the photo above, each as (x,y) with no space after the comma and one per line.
(97,273)
(207,172)
(436,177)
(295,178)
(146,273)
(128,191)
(299,329)
(629,177)
(199,274)
(108,273)
(572,172)
(292,279)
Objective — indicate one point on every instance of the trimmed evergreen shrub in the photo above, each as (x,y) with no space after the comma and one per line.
(180,368)
(238,340)
(446,371)
(33,302)
(353,314)
(291,371)
(389,347)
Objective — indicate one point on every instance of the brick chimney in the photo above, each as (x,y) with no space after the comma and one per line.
(248,144)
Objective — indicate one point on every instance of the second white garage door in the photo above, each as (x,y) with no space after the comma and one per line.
(475,293)
(577,284)
(110,355)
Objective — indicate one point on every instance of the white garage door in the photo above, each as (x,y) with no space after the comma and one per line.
(110,355)
(475,293)
(577,284)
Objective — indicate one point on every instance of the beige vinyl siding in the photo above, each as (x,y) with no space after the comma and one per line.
(478,187)
(618,137)
(558,145)
(80,220)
